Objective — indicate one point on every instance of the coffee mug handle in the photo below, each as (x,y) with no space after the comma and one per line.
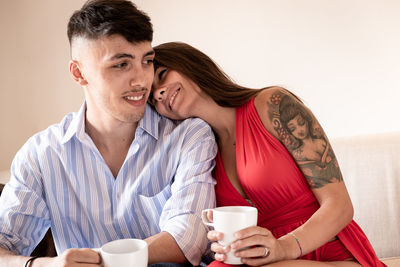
(204,217)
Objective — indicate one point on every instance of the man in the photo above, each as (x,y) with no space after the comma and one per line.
(115,169)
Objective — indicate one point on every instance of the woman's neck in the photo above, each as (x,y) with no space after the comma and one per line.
(221,119)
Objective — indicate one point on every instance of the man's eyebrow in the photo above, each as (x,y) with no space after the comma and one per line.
(150,53)
(125,55)
(121,55)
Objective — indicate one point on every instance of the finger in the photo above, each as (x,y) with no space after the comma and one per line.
(250,231)
(220,257)
(217,248)
(252,241)
(210,215)
(255,252)
(214,235)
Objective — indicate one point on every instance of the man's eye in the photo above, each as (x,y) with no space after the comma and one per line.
(120,65)
(148,61)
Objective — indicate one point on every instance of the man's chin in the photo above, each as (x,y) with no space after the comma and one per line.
(132,118)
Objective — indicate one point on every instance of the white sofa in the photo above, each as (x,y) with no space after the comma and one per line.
(371,170)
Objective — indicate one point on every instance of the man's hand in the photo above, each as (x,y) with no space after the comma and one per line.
(73,257)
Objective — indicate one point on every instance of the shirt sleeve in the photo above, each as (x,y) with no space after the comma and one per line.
(192,191)
(24,218)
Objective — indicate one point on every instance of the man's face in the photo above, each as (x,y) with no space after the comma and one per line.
(117,77)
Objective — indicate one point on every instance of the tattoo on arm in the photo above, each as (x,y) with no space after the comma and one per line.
(304,138)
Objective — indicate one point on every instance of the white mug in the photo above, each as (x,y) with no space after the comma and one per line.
(124,252)
(229,220)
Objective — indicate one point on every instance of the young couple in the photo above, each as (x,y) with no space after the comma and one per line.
(117,169)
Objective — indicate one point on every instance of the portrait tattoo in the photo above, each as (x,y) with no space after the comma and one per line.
(302,135)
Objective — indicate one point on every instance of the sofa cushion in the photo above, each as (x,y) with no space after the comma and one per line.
(371,170)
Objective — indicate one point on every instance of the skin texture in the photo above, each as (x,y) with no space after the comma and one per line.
(175,96)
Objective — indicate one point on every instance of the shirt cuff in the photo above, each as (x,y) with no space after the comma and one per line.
(190,234)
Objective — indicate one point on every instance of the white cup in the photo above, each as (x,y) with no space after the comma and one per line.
(229,220)
(124,252)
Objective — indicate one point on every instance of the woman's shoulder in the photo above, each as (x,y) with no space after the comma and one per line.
(271,96)
(264,100)
(262,103)
(267,104)
(270,93)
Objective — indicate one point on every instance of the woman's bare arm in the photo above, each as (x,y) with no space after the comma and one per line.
(323,176)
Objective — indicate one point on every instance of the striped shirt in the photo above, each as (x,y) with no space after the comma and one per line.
(60,180)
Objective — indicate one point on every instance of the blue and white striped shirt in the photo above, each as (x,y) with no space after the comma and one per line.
(60,180)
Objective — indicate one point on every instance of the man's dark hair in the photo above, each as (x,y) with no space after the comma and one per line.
(98,18)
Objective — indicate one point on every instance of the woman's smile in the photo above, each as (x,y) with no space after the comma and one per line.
(172,98)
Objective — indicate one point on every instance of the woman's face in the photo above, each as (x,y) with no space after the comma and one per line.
(298,127)
(173,94)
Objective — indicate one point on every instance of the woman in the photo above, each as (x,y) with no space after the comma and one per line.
(279,163)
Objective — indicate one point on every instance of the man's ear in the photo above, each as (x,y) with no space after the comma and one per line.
(76,73)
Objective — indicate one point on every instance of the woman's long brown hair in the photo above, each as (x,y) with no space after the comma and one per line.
(202,70)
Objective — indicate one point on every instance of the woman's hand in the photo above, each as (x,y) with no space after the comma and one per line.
(220,251)
(257,246)
(213,235)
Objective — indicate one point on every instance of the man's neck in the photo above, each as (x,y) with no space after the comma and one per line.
(108,135)
(112,140)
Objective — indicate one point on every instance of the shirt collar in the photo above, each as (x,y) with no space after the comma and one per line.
(149,123)
(76,126)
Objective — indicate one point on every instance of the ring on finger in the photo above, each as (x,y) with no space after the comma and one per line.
(266,252)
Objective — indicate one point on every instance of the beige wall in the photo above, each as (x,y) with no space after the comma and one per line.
(342,57)
(36,90)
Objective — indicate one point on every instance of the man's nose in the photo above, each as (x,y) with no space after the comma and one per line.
(139,77)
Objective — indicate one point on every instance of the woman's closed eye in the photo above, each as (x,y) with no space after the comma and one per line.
(161,73)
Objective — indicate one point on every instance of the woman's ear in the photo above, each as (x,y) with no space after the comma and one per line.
(76,73)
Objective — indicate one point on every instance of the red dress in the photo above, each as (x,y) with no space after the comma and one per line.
(278,189)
